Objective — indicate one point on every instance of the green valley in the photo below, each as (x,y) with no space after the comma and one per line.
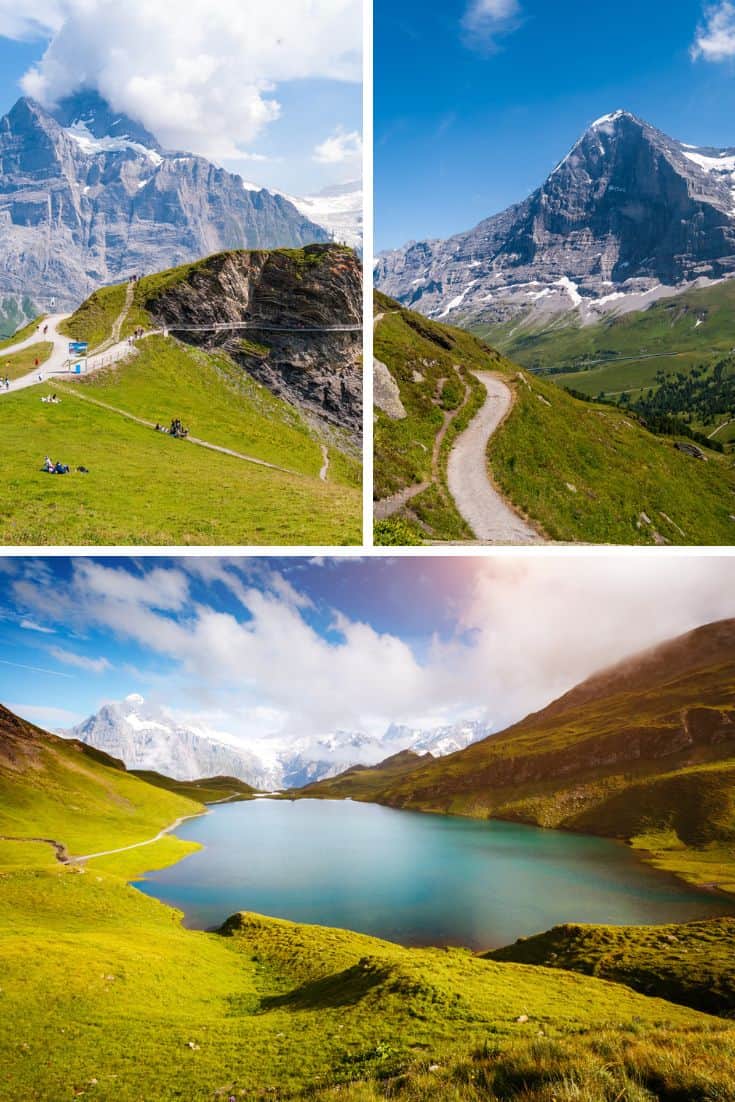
(105,995)
(580,471)
(673,359)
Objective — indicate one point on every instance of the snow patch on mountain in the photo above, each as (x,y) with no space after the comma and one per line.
(92,146)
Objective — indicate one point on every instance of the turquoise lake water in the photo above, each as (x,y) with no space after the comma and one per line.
(412,878)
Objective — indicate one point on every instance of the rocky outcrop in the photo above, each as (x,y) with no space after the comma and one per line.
(627,216)
(301,316)
(386,395)
(89,197)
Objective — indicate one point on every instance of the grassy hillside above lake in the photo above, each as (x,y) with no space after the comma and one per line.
(106,995)
(691,963)
(363,778)
(644,752)
(145,487)
(581,471)
(61,790)
(206,790)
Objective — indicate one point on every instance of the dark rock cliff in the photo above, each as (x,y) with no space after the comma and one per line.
(301,318)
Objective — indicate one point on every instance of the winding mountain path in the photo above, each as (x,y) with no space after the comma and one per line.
(488,514)
(188,439)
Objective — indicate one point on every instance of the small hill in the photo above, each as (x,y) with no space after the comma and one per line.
(581,471)
(207,790)
(290,318)
(362,779)
(691,963)
(61,790)
(644,751)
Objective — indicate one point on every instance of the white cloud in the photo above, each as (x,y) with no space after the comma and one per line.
(31,20)
(339,147)
(530,630)
(484,21)
(31,625)
(201,76)
(715,37)
(80,661)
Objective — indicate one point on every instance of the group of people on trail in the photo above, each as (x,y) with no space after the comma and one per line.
(177,428)
(136,335)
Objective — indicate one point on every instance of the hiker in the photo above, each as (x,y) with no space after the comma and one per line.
(48,465)
(37,362)
(61,468)
(7,382)
(45,330)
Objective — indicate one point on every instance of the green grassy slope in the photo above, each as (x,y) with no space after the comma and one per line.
(53,788)
(642,752)
(213,397)
(94,319)
(105,994)
(21,363)
(206,790)
(360,778)
(669,325)
(582,472)
(22,334)
(677,338)
(691,963)
(147,488)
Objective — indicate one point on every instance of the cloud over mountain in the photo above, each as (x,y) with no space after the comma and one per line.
(202,77)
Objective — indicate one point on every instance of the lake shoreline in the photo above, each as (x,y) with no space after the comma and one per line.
(639,857)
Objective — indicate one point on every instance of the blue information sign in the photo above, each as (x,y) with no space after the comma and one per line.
(78,346)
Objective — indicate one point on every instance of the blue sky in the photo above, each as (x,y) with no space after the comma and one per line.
(253,648)
(472,114)
(270,91)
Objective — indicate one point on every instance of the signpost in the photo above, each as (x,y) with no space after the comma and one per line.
(78,354)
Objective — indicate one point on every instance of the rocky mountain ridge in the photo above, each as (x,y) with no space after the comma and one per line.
(148,737)
(89,197)
(628,216)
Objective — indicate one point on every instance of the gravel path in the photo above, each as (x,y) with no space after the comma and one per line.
(482,506)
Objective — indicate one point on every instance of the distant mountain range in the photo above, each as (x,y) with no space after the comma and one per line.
(148,737)
(628,216)
(89,197)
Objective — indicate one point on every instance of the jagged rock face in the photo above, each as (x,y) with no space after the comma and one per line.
(627,215)
(317,289)
(88,197)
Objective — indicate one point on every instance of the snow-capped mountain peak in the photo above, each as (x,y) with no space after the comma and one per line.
(630,215)
(146,736)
